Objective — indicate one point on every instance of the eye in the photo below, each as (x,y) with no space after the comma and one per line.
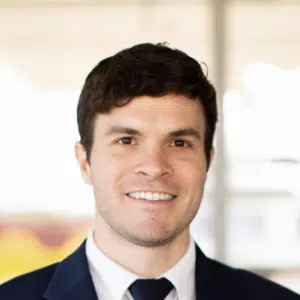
(126,140)
(181,143)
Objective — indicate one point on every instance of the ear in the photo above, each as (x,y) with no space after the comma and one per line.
(211,157)
(84,166)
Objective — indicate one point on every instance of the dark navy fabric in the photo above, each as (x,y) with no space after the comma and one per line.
(71,280)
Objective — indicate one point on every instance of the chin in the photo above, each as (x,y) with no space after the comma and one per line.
(151,240)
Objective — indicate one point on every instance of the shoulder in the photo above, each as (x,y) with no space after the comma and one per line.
(28,286)
(250,285)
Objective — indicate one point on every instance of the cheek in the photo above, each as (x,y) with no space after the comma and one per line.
(193,177)
(193,166)
(107,170)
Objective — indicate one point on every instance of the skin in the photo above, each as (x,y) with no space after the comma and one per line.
(156,234)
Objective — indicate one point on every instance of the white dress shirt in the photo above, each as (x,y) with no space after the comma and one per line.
(112,281)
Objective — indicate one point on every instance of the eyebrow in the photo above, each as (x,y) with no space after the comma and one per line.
(189,131)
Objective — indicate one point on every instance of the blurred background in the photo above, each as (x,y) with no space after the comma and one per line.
(250,216)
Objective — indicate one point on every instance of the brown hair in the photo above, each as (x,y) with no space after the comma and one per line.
(145,69)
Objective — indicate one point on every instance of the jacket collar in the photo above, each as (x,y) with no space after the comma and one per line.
(212,278)
(72,279)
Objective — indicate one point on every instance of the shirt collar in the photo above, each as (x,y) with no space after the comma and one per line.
(106,270)
(182,275)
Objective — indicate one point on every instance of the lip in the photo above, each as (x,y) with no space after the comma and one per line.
(156,202)
(145,190)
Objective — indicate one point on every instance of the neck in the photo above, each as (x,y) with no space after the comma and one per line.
(146,262)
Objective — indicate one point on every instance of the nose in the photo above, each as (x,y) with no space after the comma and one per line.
(153,163)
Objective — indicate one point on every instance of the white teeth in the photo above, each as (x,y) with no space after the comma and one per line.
(151,196)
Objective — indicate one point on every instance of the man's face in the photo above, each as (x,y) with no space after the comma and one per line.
(151,145)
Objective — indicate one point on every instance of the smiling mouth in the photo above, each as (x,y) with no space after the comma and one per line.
(149,196)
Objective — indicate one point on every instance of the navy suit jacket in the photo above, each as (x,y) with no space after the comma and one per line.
(71,280)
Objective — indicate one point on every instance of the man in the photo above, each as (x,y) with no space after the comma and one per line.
(146,119)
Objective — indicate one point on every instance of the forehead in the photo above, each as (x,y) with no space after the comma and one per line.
(156,114)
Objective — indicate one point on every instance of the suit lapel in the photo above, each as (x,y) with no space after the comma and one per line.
(213,279)
(209,285)
(72,279)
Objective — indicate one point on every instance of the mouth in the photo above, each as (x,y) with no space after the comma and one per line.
(152,197)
